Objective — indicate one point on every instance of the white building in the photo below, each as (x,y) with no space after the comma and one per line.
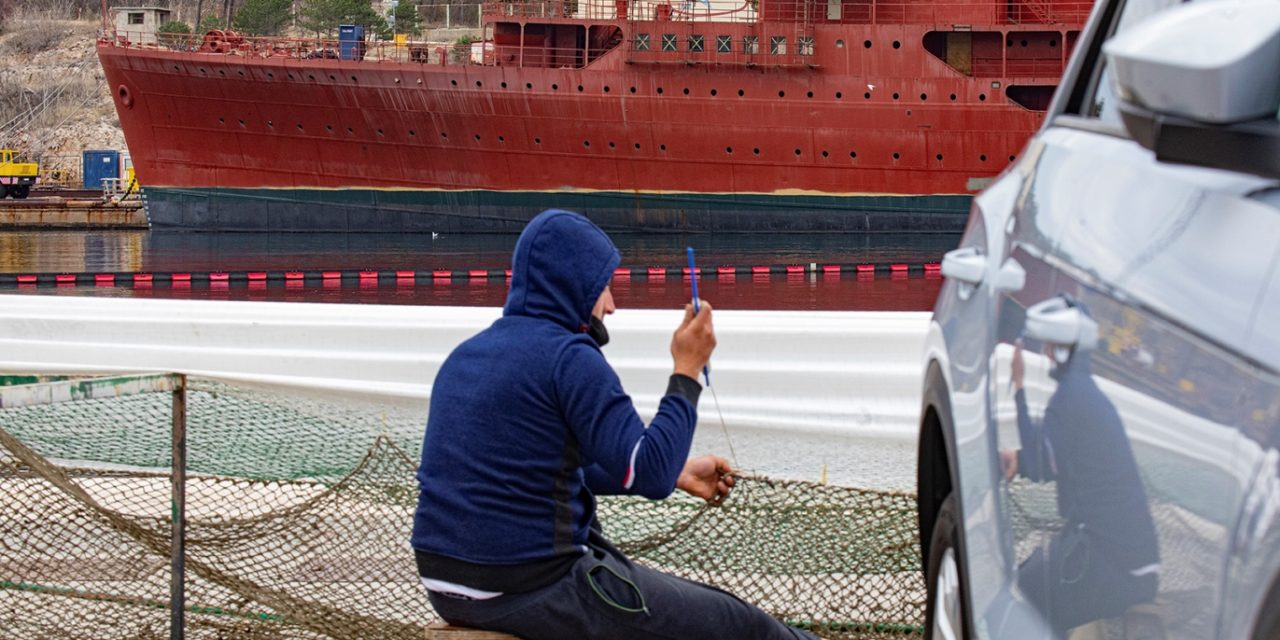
(139,24)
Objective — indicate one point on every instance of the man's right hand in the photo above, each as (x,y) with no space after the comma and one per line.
(693,341)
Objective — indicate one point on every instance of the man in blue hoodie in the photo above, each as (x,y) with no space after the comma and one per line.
(528,423)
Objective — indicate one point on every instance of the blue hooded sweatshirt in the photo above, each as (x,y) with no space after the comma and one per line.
(528,422)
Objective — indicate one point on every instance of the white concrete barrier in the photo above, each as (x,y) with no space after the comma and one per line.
(846,373)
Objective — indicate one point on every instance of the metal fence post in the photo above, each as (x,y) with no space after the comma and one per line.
(177,593)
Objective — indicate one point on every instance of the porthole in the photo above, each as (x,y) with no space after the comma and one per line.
(632,89)
(867,95)
(413,134)
(537,140)
(453,82)
(839,95)
(866,44)
(1053,43)
(311,76)
(271,76)
(502,139)
(503,85)
(782,94)
(686,91)
(222,121)
(982,97)
(755,151)
(839,43)
(1012,158)
(479,84)
(477,137)
(333,77)
(896,156)
(728,150)
(809,94)
(895,95)
(299,126)
(824,153)
(953,97)
(659,90)
(528,85)
(555,87)
(741,93)
(924,96)
(939,157)
(351,131)
(853,154)
(982,158)
(380,133)
(1024,43)
(175,67)
(579,88)
(329,128)
(606,88)
(713,93)
(240,72)
(291,76)
(202,70)
(612,145)
(419,80)
(908,113)
(662,147)
(586,143)
(242,123)
(797,152)
(444,135)
(353,79)
(897,45)
(637,145)
(396,80)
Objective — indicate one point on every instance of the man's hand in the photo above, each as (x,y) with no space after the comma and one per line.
(693,341)
(1009,463)
(707,477)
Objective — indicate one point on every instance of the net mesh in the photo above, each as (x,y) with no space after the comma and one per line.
(298,515)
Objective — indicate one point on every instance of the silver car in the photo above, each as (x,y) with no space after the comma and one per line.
(1100,428)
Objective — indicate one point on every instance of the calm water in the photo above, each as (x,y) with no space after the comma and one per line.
(142,251)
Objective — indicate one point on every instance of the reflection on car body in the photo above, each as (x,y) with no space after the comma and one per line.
(1098,448)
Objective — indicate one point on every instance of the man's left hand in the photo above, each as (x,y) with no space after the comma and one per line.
(707,477)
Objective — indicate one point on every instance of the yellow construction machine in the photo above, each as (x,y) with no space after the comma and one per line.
(16,177)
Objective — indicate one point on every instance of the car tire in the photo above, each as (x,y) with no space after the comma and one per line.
(20,192)
(946,614)
(4,191)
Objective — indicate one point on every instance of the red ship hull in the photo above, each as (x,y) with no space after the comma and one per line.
(866,128)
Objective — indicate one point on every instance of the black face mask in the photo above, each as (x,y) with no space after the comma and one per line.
(598,332)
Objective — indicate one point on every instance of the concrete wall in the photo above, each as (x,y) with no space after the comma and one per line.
(841,373)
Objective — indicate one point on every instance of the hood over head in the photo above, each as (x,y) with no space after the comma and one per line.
(561,265)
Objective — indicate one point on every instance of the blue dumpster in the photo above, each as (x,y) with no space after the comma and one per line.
(351,42)
(99,165)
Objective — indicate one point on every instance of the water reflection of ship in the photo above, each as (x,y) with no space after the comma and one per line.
(714,115)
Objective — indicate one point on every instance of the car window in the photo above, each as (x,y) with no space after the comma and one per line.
(1104,103)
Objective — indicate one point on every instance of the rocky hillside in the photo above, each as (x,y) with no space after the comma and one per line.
(54,102)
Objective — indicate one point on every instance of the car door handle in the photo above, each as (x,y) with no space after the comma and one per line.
(964,264)
(1059,321)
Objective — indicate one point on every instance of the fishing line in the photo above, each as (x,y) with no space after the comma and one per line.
(706,369)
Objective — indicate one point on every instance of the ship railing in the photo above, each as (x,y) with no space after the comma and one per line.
(229,43)
(976,12)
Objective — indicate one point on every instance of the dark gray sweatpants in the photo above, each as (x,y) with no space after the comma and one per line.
(607,597)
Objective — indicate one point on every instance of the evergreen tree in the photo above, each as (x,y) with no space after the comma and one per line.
(324,16)
(209,22)
(263,17)
(407,18)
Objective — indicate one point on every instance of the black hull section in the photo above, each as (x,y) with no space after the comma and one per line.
(355,211)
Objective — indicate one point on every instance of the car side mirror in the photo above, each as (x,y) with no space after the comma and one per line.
(1197,84)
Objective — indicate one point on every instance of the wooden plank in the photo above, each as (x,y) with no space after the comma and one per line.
(442,631)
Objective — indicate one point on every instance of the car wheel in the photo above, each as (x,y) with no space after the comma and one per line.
(21,192)
(4,191)
(946,614)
